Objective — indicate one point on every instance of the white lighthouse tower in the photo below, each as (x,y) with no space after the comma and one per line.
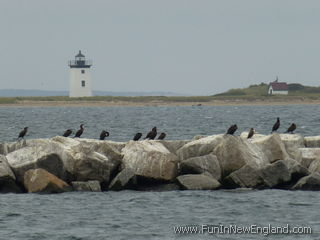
(80,79)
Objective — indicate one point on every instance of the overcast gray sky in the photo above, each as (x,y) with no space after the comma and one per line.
(197,47)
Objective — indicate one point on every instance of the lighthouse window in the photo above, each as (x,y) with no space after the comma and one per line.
(83,83)
(82,71)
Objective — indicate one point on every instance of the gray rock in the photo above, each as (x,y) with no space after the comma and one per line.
(234,152)
(8,147)
(125,179)
(292,143)
(311,159)
(239,161)
(294,139)
(7,177)
(5,170)
(108,148)
(296,170)
(150,159)
(200,147)
(308,156)
(197,182)
(311,182)
(204,164)
(89,165)
(90,159)
(276,174)
(34,157)
(315,166)
(245,177)
(272,147)
(197,137)
(174,146)
(68,159)
(89,186)
(86,159)
(312,142)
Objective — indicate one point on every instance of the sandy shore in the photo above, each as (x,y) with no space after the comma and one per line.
(156,103)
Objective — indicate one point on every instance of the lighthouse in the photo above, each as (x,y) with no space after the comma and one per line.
(80,79)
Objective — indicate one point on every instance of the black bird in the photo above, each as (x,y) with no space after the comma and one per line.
(162,136)
(67,133)
(251,132)
(152,134)
(137,136)
(292,127)
(104,134)
(276,125)
(79,132)
(23,133)
(232,129)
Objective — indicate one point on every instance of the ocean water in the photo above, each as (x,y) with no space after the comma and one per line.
(177,122)
(153,215)
(156,215)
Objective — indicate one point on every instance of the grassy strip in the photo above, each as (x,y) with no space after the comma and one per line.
(142,99)
(7,100)
(148,99)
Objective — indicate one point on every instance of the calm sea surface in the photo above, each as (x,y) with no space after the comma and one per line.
(177,122)
(154,215)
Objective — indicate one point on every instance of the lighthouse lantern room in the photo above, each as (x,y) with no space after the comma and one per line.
(80,79)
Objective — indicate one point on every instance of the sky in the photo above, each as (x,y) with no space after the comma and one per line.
(192,47)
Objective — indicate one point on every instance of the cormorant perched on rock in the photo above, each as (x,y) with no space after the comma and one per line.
(79,132)
(23,133)
(104,134)
(251,132)
(152,134)
(137,136)
(162,136)
(67,133)
(232,129)
(292,127)
(276,125)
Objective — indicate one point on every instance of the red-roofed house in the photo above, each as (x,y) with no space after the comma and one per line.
(278,88)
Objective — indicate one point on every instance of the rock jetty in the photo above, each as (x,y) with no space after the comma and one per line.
(60,164)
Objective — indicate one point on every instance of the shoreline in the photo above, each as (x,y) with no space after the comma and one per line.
(32,103)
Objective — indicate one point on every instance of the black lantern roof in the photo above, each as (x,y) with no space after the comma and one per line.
(80,61)
(79,54)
